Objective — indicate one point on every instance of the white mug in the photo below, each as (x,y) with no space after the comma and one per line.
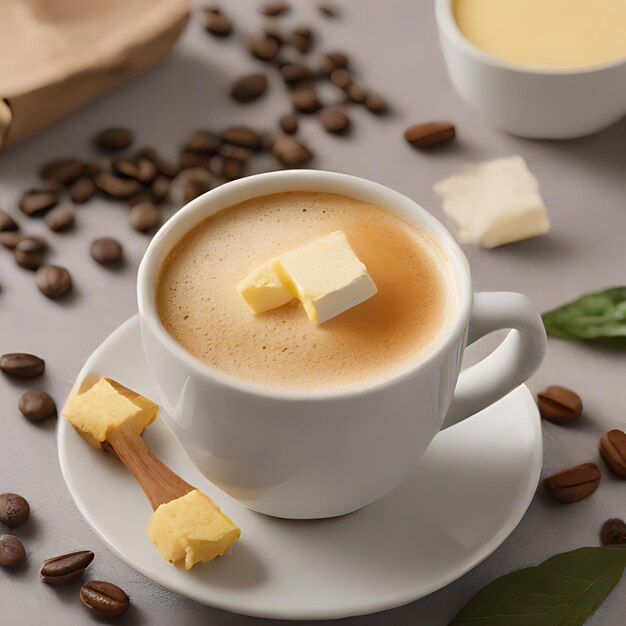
(300,453)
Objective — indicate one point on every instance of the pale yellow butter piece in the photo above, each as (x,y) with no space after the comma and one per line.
(326,276)
(106,406)
(263,290)
(191,528)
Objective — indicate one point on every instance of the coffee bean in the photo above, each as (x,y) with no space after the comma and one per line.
(22,365)
(145,195)
(189,160)
(263,48)
(204,142)
(303,31)
(333,61)
(65,568)
(228,151)
(160,189)
(226,168)
(289,123)
(104,598)
(304,100)
(82,190)
(29,253)
(193,188)
(613,532)
(37,201)
(249,88)
(243,136)
(573,484)
(53,281)
(147,153)
(167,168)
(60,218)
(356,93)
(293,73)
(115,186)
(290,152)
(36,405)
(212,9)
(7,223)
(302,44)
(613,451)
(10,239)
(431,134)
(217,24)
(341,78)
(375,103)
(106,251)
(144,217)
(62,171)
(14,510)
(11,551)
(274,9)
(559,405)
(334,120)
(114,139)
(329,10)
(124,167)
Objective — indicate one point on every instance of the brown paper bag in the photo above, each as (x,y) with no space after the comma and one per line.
(56,55)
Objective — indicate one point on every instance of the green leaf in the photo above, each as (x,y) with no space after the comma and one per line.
(597,316)
(565,590)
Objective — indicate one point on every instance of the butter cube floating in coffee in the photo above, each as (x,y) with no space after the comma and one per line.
(186,526)
(493,203)
(325,275)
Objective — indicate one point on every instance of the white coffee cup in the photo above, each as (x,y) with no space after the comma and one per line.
(300,453)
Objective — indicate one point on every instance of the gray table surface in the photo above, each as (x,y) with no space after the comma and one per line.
(395,49)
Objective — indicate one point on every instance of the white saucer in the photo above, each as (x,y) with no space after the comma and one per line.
(469,492)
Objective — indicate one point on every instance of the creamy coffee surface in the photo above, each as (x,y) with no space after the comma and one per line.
(199,306)
(547,33)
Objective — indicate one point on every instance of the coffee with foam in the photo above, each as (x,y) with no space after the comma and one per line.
(199,306)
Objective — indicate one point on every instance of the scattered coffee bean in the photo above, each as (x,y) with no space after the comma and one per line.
(293,73)
(114,139)
(160,189)
(573,484)
(106,251)
(302,44)
(167,168)
(204,142)
(193,188)
(375,103)
(273,33)
(144,217)
(37,201)
(263,48)
(190,160)
(329,10)
(145,195)
(53,280)
(433,133)
(22,365)
(7,223)
(559,405)
(61,218)
(341,78)
(11,551)
(115,186)
(65,568)
(14,510)
(289,124)
(333,61)
(10,239)
(243,136)
(29,253)
(613,532)
(82,190)
(334,120)
(249,88)
(274,9)
(613,451)
(124,168)
(303,31)
(290,152)
(62,171)
(217,24)
(356,93)
(104,598)
(146,171)
(305,100)
(36,405)
(226,168)
(228,151)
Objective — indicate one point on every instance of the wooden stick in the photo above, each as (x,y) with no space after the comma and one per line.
(159,482)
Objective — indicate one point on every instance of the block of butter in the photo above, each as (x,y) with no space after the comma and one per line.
(325,275)
(106,406)
(493,203)
(191,529)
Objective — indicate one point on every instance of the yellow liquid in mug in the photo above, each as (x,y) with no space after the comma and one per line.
(546,33)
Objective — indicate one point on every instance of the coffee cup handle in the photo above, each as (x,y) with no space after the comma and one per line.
(510,364)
